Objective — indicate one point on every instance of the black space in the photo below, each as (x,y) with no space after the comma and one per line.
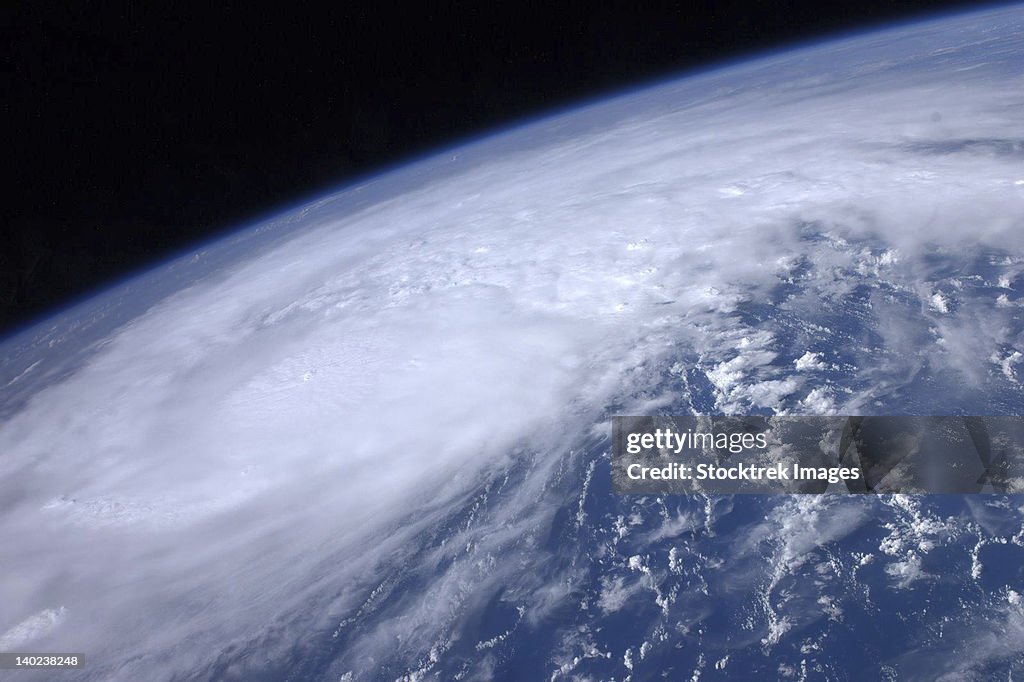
(136,129)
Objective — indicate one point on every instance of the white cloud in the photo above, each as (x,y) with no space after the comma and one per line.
(906,571)
(809,360)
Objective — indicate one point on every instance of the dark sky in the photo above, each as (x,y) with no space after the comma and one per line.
(136,129)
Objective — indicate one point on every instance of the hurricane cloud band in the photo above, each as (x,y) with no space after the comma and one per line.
(270,437)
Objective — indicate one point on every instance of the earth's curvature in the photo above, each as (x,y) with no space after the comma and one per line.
(368,439)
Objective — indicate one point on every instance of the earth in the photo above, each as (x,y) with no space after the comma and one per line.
(368,438)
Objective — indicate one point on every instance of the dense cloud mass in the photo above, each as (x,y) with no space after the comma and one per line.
(371,430)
